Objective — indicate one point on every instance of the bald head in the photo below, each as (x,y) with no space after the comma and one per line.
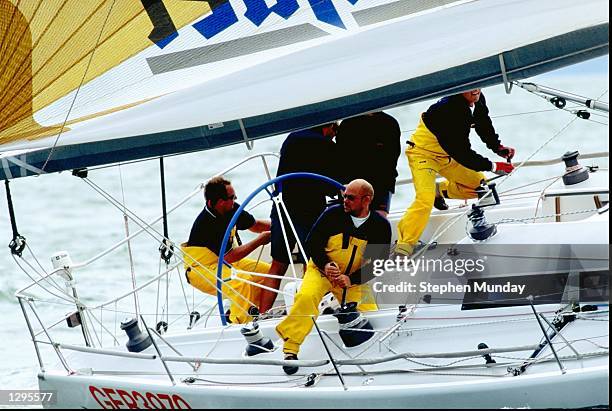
(357,198)
(362,187)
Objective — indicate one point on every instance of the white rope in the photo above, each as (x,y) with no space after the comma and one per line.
(297,238)
(568,213)
(277,200)
(252,283)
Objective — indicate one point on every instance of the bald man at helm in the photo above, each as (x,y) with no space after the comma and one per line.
(342,245)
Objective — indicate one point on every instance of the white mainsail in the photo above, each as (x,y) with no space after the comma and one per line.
(297,68)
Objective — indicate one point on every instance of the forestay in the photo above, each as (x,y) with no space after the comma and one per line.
(90,83)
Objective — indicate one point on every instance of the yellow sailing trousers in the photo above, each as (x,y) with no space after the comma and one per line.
(426,160)
(242,295)
(298,324)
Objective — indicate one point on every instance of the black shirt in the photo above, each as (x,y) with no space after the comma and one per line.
(307,151)
(368,147)
(450,120)
(208,228)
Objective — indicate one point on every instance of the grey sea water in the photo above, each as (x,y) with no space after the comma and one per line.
(61,212)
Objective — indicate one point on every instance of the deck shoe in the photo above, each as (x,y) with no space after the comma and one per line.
(227,316)
(290,370)
(440,204)
(401,250)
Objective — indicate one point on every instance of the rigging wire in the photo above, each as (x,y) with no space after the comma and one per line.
(62,296)
(129,244)
(151,231)
(76,94)
(42,270)
(18,242)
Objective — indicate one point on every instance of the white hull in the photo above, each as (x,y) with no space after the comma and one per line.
(576,389)
(397,384)
(435,364)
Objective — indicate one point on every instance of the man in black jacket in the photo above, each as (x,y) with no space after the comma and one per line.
(313,151)
(368,148)
(441,145)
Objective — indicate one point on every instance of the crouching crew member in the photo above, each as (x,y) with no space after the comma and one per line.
(202,250)
(441,145)
(342,244)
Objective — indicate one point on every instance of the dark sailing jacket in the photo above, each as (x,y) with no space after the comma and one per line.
(450,120)
(334,237)
(307,151)
(368,147)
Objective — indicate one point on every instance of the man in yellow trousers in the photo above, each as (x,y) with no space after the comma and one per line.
(202,250)
(441,145)
(342,244)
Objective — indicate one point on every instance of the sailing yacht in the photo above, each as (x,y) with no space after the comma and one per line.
(107,82)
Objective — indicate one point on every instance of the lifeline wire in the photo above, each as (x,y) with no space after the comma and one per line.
(150,230)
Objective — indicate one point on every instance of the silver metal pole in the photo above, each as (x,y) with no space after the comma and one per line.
(552,348)
(25,314)
(57,351)
(158,351)
(329,354)
(562,337)
(590,103)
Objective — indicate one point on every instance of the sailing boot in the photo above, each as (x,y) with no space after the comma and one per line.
(439,202)
(290,370)
(401,250)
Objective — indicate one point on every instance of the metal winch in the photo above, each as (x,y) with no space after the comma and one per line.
(481,229)
(256,342)
(355,329)
(137,340)
(574,172)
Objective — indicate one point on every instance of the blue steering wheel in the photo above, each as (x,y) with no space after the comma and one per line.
(234,219)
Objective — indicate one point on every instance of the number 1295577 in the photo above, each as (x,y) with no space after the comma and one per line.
(27,397)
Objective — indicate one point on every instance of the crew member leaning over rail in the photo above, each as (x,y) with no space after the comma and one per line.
(202,249)
(342,244)
(441,145)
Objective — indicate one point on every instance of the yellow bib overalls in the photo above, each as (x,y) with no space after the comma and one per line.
(427,159)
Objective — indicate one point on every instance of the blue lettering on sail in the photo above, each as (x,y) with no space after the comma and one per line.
(221,18)
(258,10)
(326,12)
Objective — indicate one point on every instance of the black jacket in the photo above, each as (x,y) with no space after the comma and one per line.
(450,120)
(307,151)
(334,237)
(368,147)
